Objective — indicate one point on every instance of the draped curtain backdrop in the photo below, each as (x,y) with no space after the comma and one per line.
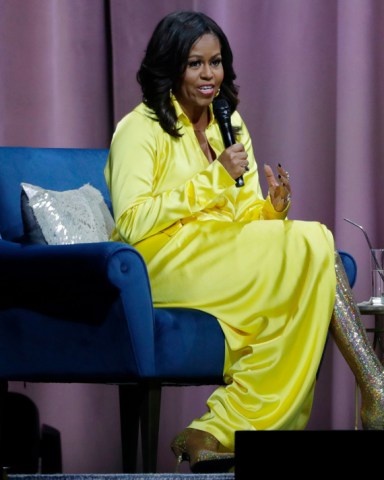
(311,87)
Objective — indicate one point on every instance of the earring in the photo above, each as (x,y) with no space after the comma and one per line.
(217,93)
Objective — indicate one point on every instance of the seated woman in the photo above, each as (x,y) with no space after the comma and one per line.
(275,285)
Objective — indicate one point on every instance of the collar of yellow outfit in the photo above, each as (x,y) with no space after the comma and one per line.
(183,117)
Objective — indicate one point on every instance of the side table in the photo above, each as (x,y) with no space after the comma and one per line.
(376,310)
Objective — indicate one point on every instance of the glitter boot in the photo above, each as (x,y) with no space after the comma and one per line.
(202,451)
(352,340)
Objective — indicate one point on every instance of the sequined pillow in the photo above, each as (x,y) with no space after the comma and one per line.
(71,216)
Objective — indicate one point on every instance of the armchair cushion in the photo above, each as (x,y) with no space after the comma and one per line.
(53,168)
(64,217)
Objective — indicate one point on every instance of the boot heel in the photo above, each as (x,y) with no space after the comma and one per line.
(178,448)
(179,459)
(201,450)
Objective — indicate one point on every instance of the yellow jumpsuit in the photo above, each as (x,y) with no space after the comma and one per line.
(215,247)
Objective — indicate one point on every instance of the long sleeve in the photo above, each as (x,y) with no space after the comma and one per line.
(156,180)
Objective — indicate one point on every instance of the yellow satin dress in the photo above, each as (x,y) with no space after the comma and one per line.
(211,246)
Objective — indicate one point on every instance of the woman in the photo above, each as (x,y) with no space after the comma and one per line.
(274,285)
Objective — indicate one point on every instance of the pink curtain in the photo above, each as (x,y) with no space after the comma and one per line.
(311,84)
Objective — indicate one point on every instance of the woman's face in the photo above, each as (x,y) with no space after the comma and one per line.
(202,77)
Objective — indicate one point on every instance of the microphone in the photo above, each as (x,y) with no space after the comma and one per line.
(223,116)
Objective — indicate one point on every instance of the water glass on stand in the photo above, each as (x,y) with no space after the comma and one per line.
(377,268)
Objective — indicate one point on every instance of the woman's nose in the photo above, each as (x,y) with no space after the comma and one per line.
(207,71)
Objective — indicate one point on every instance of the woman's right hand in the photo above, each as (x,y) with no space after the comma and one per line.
(235,160)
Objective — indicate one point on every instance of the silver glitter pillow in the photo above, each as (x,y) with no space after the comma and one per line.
(71,216)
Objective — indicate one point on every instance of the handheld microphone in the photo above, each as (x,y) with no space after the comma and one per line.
(223,116)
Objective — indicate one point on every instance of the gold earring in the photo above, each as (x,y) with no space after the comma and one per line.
(217,93)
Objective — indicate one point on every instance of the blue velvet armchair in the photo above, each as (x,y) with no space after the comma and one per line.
(83,312)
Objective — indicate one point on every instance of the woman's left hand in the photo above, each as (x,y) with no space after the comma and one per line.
(279,190)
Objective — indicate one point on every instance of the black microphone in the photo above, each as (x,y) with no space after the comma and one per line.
(223,116)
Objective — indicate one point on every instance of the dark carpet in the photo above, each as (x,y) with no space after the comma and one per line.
(132,476)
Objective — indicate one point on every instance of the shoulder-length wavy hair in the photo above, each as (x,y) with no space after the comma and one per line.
(166,58)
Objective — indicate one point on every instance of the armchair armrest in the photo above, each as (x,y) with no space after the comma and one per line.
(85,266)
(89,284)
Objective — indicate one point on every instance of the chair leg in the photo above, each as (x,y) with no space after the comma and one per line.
(3,398)
(130,397)
(150,420)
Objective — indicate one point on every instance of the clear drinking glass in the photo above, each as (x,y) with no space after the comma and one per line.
(377,266)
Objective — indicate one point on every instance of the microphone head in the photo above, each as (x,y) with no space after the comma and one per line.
(221,109)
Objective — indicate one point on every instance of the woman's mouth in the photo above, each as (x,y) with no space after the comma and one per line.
(207,90)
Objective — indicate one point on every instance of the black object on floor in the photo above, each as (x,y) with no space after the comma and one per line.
(306,453)
(27,447)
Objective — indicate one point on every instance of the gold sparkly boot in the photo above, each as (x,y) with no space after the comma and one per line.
(351,338)
(203,452)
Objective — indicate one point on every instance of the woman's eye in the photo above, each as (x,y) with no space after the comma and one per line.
(194,63)
(216,62)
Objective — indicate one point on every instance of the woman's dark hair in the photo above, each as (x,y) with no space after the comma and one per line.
(166,59)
